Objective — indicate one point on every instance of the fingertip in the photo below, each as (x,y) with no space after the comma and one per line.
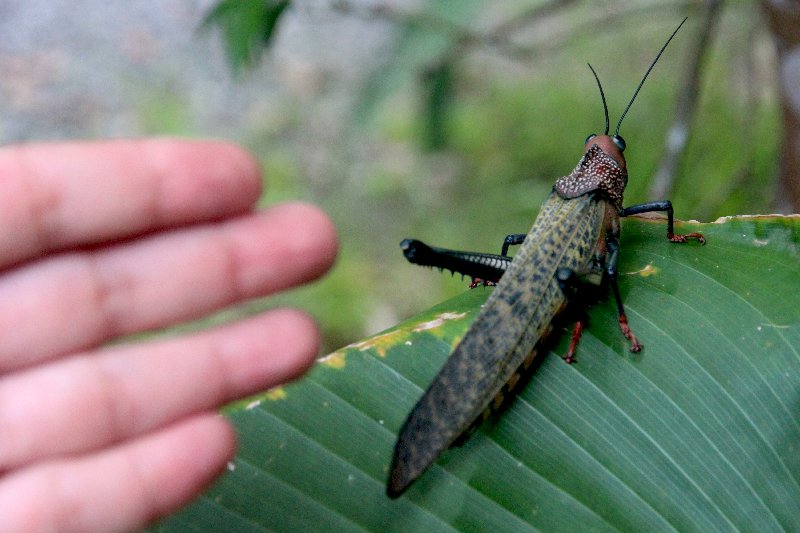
(266,351)
(314,236)
(194,453)
(281,247)
(212,437)
(302,332)
(120,488)
(244,164)
(222,173)
(289,344)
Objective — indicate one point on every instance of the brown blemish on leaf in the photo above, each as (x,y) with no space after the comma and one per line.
(723,220)
(382,342)
(440,319)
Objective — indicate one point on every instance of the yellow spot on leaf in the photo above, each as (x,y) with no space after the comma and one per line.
(645,272)
(380,343)
(277,393)
(334,360)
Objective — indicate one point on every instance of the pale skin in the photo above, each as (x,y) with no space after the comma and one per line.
(102,240)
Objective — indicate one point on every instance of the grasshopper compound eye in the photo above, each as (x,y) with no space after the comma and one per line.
(619,141)
(589,138)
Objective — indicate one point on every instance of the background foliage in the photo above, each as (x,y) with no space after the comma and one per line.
(442,120)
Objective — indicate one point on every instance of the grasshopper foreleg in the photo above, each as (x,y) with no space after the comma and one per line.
(663,205)
(512,240)
(570,283)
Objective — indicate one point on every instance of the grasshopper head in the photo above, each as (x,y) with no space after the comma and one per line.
(611,145)
(601,169)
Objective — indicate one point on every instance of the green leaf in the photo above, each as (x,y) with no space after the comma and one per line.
(247,27)
(700,431)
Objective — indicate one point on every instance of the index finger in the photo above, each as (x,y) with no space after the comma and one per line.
(56,196)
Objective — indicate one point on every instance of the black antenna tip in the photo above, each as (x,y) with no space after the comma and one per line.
(602,96)
(653,64)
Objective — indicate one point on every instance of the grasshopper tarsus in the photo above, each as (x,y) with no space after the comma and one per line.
(478,282)
(636,346)
(679,238)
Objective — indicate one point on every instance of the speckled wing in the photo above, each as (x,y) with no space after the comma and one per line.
(514,317)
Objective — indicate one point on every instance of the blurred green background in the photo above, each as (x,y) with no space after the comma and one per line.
(445,120)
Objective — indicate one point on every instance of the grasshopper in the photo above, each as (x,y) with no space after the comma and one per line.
(574,240)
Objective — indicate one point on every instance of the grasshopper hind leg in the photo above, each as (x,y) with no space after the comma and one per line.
(476,265)
(513,239)
(569,283)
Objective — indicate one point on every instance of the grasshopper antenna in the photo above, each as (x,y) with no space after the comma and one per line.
(616,133)
(602,96)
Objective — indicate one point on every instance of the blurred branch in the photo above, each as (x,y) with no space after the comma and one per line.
(501,36)
(532,15)
(744,181)
(784,20)
(686,105)
(498,37)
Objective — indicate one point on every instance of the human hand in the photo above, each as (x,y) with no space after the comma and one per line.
(98,241)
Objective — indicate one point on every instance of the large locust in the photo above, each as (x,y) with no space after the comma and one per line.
(573,244)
